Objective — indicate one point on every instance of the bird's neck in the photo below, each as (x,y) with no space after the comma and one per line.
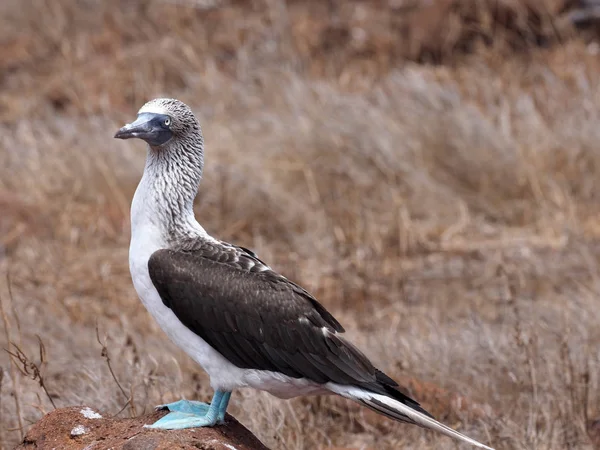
(164,199)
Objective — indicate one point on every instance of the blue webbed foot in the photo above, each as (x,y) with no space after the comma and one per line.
(178,420)
(191,414)
(186,406)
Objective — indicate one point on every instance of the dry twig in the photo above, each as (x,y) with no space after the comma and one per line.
(29,368)
(106,356)
(13,368)
(525,344)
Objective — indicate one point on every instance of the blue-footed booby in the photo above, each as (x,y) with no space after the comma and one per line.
(244,323)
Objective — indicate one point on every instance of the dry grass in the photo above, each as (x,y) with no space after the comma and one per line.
(449,215)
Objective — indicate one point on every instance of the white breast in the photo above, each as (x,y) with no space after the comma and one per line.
(147,236)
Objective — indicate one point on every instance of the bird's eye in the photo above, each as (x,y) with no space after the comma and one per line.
(167,121)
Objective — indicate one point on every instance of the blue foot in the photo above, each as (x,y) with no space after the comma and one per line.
(178,420)
(186,406)
(190,414)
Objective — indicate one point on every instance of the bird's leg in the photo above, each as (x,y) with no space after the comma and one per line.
(184,415)
(223,406)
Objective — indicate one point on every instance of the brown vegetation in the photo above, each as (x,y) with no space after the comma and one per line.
(447,214)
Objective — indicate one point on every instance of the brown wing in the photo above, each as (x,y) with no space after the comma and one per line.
(258,319)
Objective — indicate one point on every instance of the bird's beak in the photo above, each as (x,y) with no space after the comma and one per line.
(149,127)
(141,128)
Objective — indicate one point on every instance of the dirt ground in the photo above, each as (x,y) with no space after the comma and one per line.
(74,428)
(428,169)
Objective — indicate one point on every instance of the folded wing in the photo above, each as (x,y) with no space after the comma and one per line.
(258,319)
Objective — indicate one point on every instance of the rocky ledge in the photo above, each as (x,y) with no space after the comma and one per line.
(82,427)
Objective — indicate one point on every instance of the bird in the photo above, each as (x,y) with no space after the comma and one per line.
(244,323)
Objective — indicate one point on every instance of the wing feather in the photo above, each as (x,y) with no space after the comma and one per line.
(255,317)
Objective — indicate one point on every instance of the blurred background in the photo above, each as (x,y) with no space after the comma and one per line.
(427,168)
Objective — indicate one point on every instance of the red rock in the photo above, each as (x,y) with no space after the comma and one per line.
(80,427)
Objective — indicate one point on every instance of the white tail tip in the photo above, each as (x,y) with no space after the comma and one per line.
(399,411)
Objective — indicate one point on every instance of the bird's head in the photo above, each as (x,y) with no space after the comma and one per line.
(161,122)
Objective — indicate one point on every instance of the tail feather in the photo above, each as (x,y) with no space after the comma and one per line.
(397,410)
